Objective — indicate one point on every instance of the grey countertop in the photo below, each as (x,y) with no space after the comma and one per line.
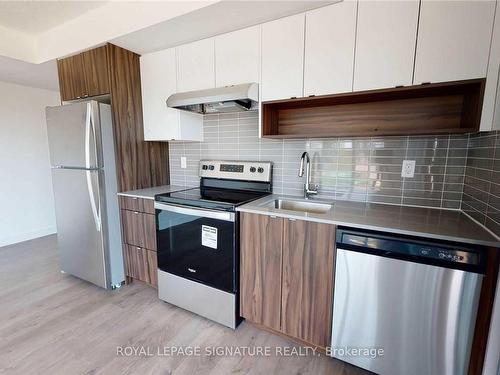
(150,193)
(441,224)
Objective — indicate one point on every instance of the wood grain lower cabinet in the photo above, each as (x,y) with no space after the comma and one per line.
(286,276)
(139,239)
(307,288)
(261,257)
(153,268)
(136,263)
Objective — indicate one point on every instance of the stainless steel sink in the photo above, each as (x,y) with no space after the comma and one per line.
(302,206)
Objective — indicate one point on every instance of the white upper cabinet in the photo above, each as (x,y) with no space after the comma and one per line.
(283,58)
(158,82)
(329,49)
(496,114)
(490,118)
(453,40)
(385,44)
(237,57)
(196,65)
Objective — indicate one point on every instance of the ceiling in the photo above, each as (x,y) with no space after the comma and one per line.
(35,33)
(32,17)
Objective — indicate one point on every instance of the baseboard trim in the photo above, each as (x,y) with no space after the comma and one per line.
(21,237)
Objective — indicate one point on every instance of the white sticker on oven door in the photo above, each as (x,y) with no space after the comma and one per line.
(209,236)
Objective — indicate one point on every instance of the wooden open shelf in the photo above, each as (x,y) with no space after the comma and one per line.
(439,108)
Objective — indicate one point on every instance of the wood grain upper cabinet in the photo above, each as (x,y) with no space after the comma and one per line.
(385,44)
(71,77)
(84,75)
(260,280)
(329,49)
(453,40)
(95,68)
(307,295)
(283,58)
(196,65)
(237,57)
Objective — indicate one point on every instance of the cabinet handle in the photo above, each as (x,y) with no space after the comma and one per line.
(272,216)
(136,212)
(292,219)
(85,95)
(134,198)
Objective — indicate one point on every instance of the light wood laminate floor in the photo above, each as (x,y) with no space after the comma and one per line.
(51,323)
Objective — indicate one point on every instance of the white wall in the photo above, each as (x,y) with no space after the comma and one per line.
(26,199)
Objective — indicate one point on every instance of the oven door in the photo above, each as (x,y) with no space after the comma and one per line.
(197,244)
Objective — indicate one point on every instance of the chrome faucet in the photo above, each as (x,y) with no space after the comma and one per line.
(309,189)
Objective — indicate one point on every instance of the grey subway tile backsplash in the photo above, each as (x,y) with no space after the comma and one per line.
(359,169)
(457,171)
(481,191)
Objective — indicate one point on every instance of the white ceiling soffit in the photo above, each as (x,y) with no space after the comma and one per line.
(109,22)
(43,76)
(219,18)
(42,31)
(72,29)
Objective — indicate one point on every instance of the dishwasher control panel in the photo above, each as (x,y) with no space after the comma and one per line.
(404,247)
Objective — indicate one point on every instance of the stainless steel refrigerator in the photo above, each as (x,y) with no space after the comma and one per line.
(85,190)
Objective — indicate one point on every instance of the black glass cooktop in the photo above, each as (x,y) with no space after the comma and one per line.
(222,199)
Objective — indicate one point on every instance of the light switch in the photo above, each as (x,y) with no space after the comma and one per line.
(408,169)
(183,162)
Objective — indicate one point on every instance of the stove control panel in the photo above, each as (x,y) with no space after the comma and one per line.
(237,170)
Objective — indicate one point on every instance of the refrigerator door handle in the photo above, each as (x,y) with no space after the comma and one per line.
(93,204)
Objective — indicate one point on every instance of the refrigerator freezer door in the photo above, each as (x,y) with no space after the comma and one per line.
(74,135)
(80,229)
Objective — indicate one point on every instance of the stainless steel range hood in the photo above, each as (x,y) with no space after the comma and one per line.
(235,98)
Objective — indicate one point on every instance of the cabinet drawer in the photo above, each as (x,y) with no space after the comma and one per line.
(137,204)
(139,229)
(136,263)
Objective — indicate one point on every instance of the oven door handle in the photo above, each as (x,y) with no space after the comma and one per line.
(202,212)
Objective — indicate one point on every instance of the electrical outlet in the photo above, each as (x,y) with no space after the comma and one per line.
(183,162)
(408,169)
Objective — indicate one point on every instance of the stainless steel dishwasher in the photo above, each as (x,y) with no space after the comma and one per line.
(404,306)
